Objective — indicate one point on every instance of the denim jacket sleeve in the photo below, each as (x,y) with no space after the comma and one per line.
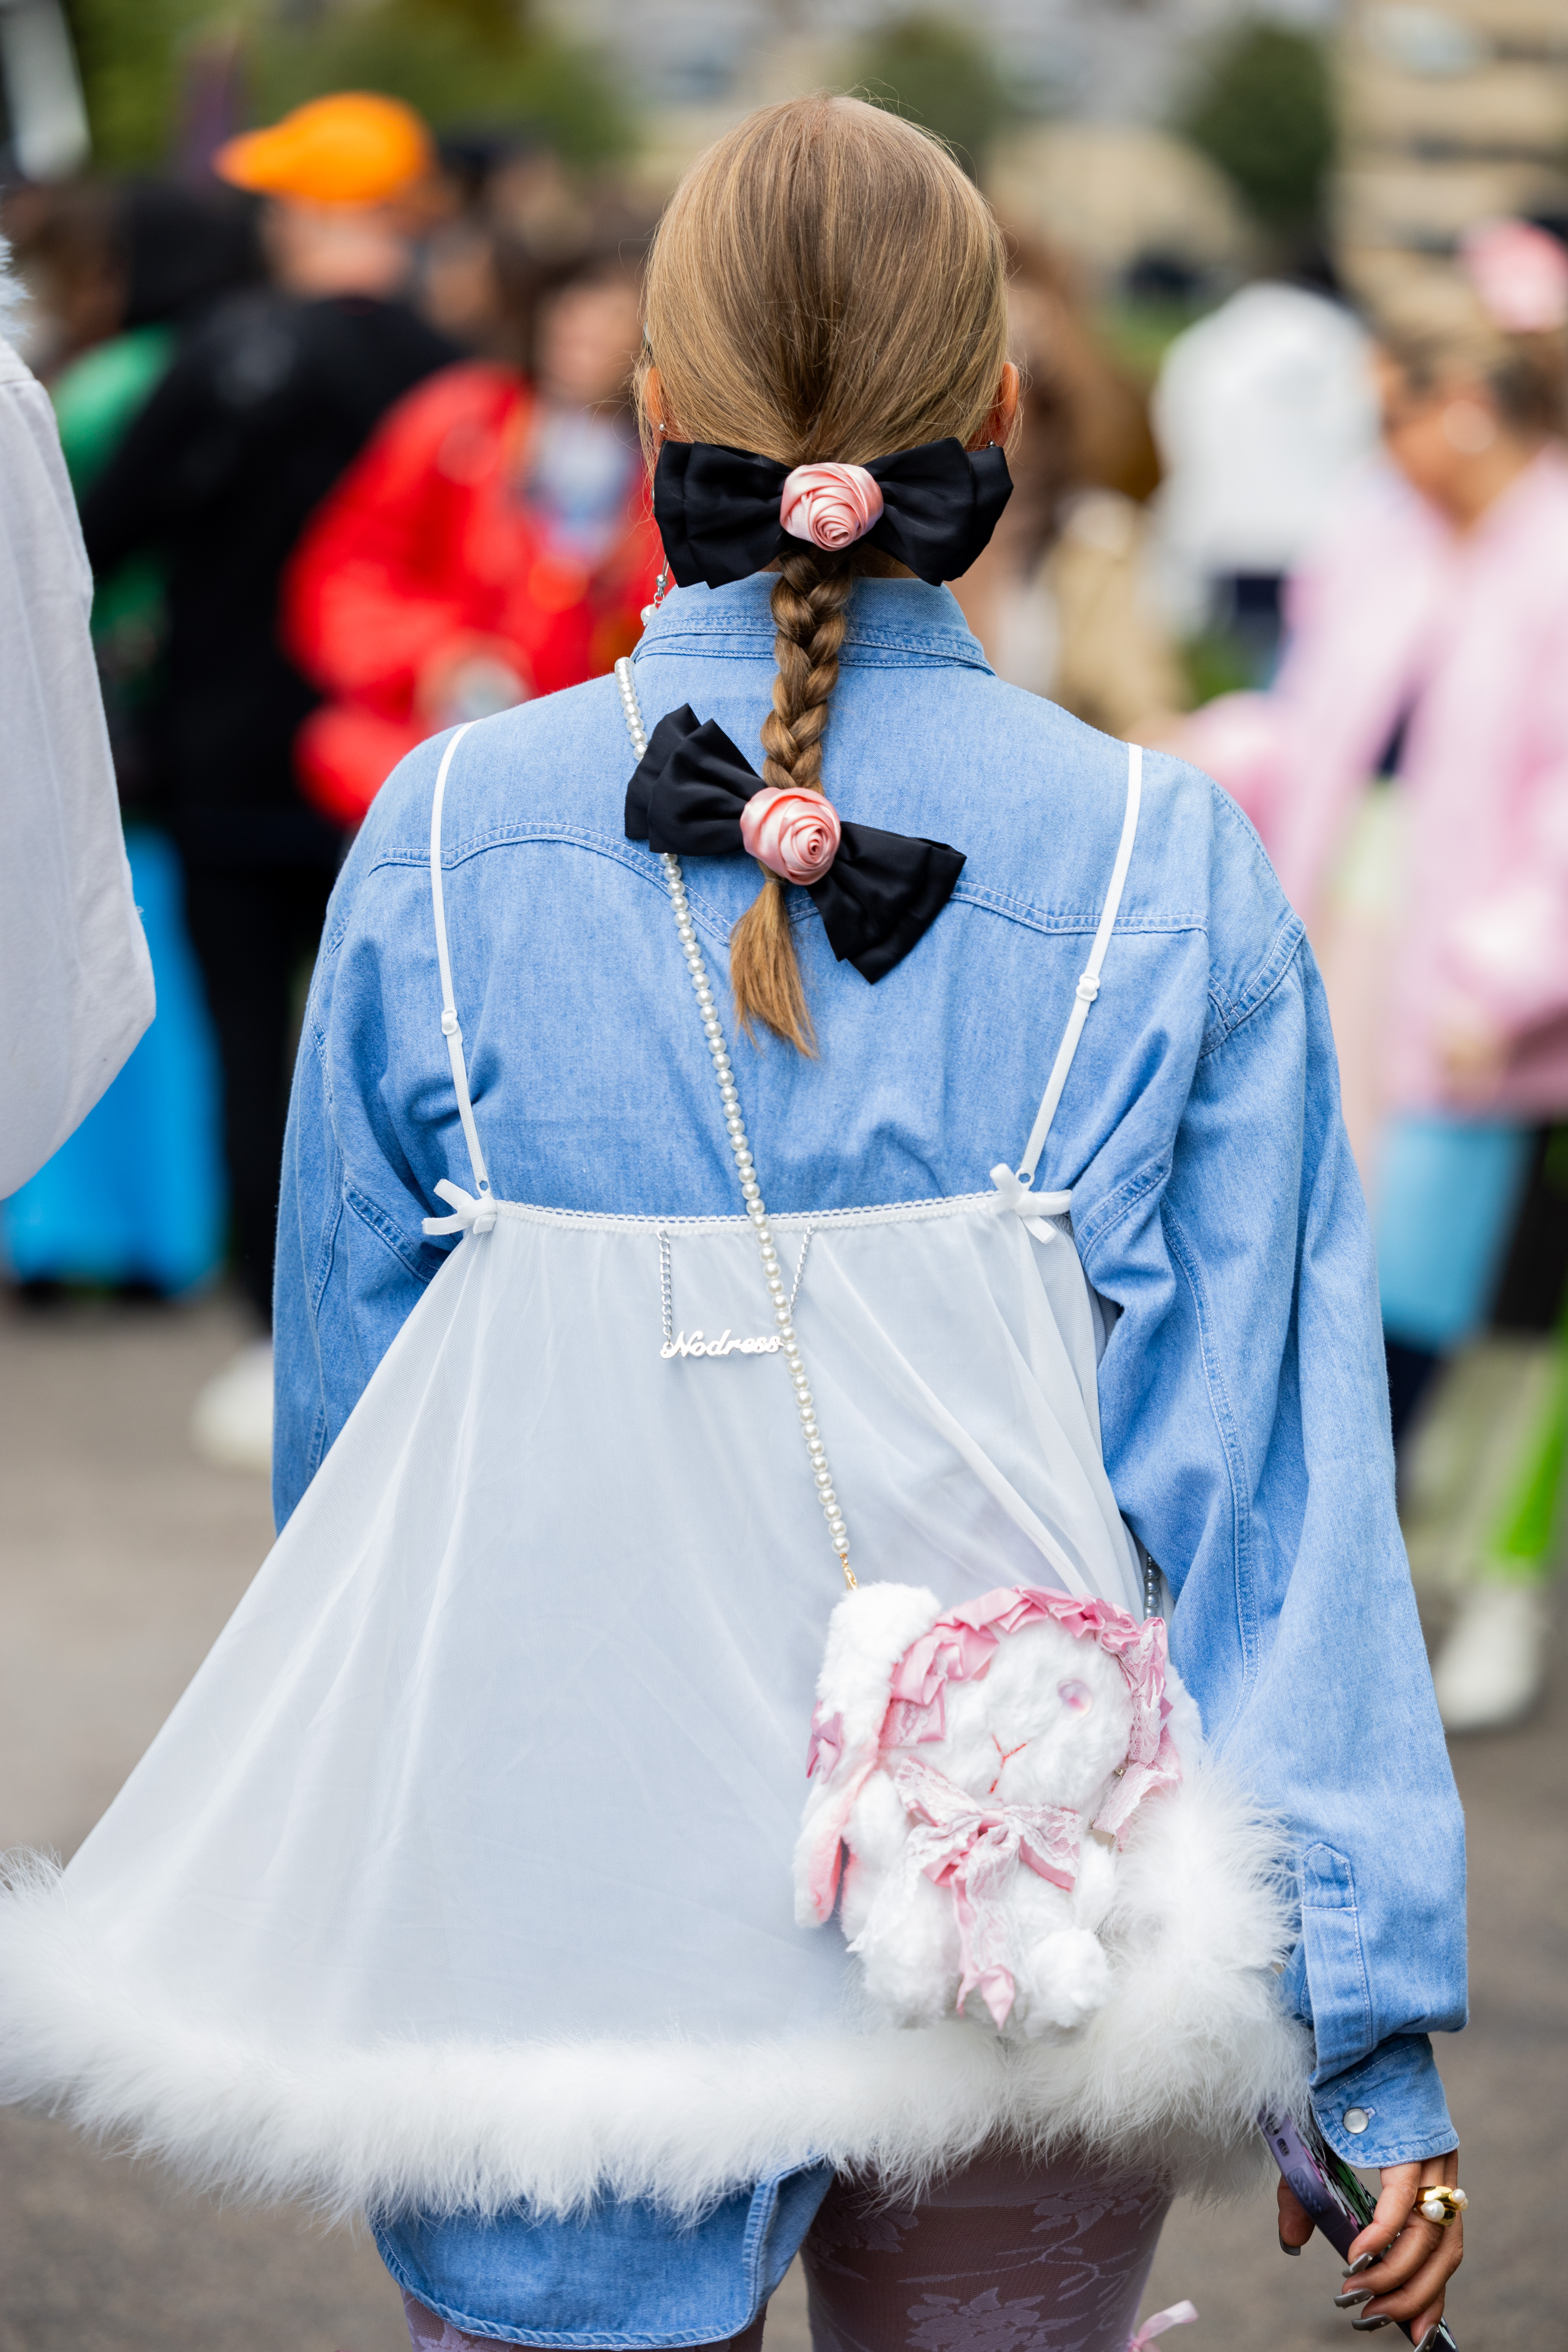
(351,1266)
(1245,1421)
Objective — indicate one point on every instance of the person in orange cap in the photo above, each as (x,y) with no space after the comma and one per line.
(353,148)
(343,177)
(268,402)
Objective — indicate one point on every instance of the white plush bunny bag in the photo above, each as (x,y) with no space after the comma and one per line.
(974,1775)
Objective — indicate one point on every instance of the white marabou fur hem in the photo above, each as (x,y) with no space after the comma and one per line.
(1167,2078)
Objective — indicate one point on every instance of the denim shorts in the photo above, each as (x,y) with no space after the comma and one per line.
(624,2273)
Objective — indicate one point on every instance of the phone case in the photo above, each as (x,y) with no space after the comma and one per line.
(1339,2204)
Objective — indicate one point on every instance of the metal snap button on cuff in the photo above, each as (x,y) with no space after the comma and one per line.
(1356,2119)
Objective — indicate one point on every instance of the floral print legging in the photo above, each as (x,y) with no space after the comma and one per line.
(1004,2256)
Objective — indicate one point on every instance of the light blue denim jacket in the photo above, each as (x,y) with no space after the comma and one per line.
(1215,1201)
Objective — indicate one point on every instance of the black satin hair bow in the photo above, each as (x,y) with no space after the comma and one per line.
(718,510)
(882,892)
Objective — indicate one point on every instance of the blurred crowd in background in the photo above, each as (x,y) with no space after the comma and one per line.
(338,305)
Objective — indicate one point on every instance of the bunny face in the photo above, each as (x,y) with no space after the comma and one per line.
(1046,1723)
(977,1771)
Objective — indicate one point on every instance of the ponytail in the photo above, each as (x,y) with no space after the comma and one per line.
(826,284)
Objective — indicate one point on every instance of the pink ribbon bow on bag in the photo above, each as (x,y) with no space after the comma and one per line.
(975,1850)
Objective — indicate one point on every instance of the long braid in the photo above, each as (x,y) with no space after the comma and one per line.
(809,600)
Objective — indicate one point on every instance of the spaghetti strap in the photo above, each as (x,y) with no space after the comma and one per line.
(1013,1184)
(470,1214)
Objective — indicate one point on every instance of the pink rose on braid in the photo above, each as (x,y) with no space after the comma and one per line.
(795,834)
(831,506)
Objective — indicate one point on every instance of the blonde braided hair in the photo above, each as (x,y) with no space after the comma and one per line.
(809,605)
(826,283)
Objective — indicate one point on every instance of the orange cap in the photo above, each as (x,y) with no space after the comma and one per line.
(353,148)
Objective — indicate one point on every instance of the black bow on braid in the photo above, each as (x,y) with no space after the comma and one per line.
(882,892)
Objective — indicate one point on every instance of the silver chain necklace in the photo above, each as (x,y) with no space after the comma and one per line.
(677,1344)
(788,1346)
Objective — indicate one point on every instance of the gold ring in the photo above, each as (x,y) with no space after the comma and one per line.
(1440,2205)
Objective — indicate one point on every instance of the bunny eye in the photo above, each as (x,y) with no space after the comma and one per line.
(1077,1695)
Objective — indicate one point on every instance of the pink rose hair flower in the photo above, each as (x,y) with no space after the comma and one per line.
(831,506)
(795,834)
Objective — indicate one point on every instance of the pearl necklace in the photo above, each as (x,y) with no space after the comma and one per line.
(735,1126)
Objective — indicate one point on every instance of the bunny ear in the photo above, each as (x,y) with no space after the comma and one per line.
(819,1849)
(868,1634)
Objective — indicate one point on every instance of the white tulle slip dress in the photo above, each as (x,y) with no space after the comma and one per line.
(461,1873)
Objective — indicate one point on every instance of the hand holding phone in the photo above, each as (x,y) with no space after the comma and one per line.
(1340,2205)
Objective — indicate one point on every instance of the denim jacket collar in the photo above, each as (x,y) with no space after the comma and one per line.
(886,618)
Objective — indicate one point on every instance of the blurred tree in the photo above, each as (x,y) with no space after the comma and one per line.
(469,62)
(130,53)
(1264,112)
(937,74)
(473,62)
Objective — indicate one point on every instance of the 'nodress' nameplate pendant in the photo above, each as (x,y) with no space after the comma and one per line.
(676,1343)
(723,1346)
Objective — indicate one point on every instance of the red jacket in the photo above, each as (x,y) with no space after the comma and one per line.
(425,546)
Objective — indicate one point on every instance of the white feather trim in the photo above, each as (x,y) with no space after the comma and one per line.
(1168,2076)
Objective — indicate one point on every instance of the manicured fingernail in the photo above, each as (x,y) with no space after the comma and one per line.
(1284,2247)
(1357,2294)
(1362,2263)
(1378,2319)
(1430,2337)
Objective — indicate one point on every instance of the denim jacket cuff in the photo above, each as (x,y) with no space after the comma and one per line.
(1388,2110)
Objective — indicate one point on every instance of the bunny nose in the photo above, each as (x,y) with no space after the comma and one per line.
(1006,1756)
(1077,1695)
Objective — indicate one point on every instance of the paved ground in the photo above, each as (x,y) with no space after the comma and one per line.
(120,1559)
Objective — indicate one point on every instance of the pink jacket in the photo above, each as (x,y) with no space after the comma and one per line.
(1398,615)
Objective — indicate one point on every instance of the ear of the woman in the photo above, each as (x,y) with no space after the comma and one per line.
(650,395)
(1003,414)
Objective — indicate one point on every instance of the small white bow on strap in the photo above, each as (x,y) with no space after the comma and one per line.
(472,1216)
(1178,2315)
(1033,1208)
